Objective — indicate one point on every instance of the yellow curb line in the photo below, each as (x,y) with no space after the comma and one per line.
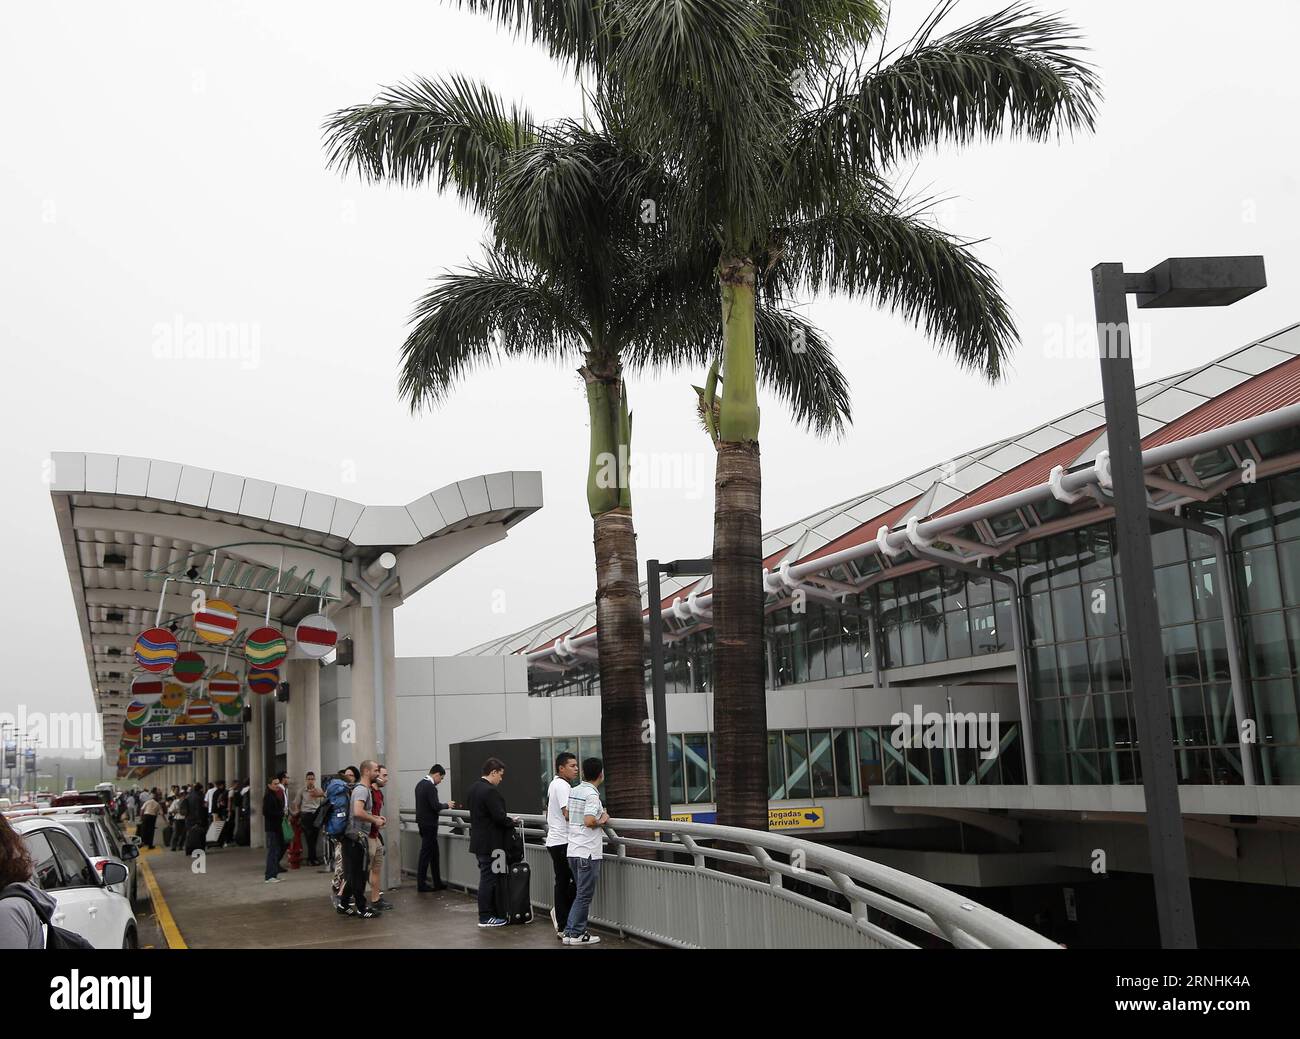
(165,919)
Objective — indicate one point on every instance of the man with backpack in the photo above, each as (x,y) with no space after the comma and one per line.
(356,840)
(336,821)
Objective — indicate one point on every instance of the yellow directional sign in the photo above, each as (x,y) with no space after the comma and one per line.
(796,818)
(777,818)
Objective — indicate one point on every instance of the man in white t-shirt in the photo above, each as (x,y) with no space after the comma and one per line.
(586,816)
(557,837)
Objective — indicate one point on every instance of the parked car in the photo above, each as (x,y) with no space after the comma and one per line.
(85,902)
(100,838)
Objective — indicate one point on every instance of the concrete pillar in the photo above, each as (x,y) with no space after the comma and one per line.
(230,769)
(311,719)
(392,871)
(295,724)
(363,685)
(257,769)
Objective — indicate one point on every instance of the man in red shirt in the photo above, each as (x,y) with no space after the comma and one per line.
(377,901)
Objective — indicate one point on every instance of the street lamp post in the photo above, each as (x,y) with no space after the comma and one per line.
(1180,282)
(653,568)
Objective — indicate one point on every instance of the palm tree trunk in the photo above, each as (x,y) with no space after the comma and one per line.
(740,703)
(623,716)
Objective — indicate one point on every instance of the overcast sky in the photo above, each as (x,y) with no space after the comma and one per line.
(162,162)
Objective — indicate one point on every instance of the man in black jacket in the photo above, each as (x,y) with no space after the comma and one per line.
(196,820)
(272,815)
(490,828)
(427,810)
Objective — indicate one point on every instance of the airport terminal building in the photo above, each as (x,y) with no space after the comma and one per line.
(1002,639)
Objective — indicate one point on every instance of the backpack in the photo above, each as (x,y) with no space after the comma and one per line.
(335,807)
(55,937)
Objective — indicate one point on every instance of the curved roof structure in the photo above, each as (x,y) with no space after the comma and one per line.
(140,534)
(1260,378)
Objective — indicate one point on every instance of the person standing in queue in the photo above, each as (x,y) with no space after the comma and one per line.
(557,838)
(356,840)
(489,833)
(272,816)
(427,810)
(305,803)
(586,817)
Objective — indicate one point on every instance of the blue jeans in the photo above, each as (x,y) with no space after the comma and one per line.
(585,874)
(274,849)
(487,889)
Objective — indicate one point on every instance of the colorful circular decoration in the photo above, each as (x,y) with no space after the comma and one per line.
(217,622)
(137,712)
(161,716)
(316,635)
(200,712)
(155,650)
(189,667)
(263,682)
(146,689)
(265,648)
(173,697)
(233,709)
(224,687)
(130,739)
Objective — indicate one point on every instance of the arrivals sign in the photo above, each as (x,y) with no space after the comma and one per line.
(146,758)
(187,737)
(777,818)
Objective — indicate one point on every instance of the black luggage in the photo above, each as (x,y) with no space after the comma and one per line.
(195,837)
(514,894)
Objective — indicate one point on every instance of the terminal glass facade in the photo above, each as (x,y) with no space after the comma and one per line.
(1077,658)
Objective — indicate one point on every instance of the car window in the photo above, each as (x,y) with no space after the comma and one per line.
(84,831)
(45,874)
(76,867)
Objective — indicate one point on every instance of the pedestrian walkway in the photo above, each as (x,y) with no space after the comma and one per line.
(229,906)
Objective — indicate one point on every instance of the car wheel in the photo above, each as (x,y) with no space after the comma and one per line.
(129,940)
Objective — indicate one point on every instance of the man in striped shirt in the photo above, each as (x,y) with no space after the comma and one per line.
(586,815)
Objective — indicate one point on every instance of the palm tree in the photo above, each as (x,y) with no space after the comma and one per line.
(575,273)
(781,127)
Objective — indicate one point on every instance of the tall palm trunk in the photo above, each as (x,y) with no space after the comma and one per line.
(740,703)
(618,600)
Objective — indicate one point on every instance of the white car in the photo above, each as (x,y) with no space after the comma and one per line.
(83,896)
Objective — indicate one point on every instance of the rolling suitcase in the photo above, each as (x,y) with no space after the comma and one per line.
(514,891)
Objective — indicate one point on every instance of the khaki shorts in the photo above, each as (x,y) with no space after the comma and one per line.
(376,853)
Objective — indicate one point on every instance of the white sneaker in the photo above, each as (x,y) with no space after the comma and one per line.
(272,880)
(582,939)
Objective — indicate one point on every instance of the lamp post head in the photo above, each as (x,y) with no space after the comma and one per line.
(1198,281)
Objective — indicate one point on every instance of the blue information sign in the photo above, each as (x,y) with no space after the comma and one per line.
(187,737)
(136,758)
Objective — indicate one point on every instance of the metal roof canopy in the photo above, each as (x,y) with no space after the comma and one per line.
(139,535)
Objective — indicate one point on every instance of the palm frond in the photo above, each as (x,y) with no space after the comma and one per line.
(475,317)
(882,249)
(796,363)
(449,131)
(1015,72)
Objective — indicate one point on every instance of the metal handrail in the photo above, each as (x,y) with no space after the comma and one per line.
(871,888)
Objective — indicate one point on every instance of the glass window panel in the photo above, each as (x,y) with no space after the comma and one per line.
(1005,638)
(799,783)
(979,590)
(1205,588)
(1051,769)
(1067,608)
(1259,567)
(1286,506)
(676,779)
(846,772)
(895,770)
(1214,652)
(894,647)
(1188,717)
(1227,766)
(816,660)
(983,629)
(1107,660)
(1049,726)
(953,586)
(821,762)
(958,634)
(696,753)
(932,639)
(775,768)
(1267,646)
(918,766)
(1181,653)
(1085,766)
(1276,702)
(1111,714)
(1033,565)
(1046,681)
(1080,730)
(1283,764)
(1288,564)
(1249,518)
(871,763)
(1173,595)
(1221,715)
(1063,559)
(1040,619)
(45,874)
(1095,552)
(910,636)
(1168,545)
(1073,667)
(1101,608)
(1194,767)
